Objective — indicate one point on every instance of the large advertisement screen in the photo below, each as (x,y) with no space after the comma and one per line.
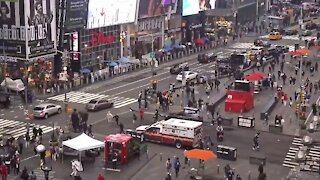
(41,27)
(103,13)
(27,27)
(190,7)
(76,14)
(151,8)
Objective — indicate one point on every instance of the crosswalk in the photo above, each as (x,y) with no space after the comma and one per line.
(84,98)
(294,37)
(18,128)
(312,156)
(39,174)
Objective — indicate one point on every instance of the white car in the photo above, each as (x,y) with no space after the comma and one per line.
(46,110)
(188,75)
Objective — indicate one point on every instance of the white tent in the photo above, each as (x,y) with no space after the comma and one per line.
(83,142)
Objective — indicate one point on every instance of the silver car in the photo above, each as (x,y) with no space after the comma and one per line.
(98,104)
(46,110)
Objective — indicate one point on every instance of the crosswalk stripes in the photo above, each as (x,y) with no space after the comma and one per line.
(84,98)
(17,128)
(39,174)
(294,37)
(312,156)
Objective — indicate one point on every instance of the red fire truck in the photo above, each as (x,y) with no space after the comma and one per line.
(178,132)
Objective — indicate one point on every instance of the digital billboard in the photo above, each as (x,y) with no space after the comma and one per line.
(76,14)
(151,8)
(190,7)
(102,13)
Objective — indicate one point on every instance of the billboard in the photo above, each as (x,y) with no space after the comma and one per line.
(76,14)
(151,8)
(102,13)
(28,28)
(41,32)
(190,7)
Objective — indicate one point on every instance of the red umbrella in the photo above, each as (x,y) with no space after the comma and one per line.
(295,53)
(303,51)
(262,74)
(253,77)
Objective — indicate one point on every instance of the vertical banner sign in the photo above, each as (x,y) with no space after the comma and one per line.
(12,29)
(75,46)
(41,23)
(76,14)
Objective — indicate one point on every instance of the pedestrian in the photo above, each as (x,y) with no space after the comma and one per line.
(116,117)
(3,170)
(100,177)
(27,136)
(156,115)
(74,169)
(121,128)
(238,177)
(90,130)
(256,141)
(109,116)
(177,166)
(53,153)
(134,118)
(141,113)
(316,67)
(168,165)
(17,166)
(24,175)
(32,176)
(75,120)
(168,177)
(20,144)
(139,102)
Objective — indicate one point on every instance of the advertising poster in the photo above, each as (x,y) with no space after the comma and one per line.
(190,7)
(12,29)
(76,14)
(151,8)
(102,13)
(41,27)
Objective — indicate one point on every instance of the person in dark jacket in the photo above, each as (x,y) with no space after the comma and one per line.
(24,175)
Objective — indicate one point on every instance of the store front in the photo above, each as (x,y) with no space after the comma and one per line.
(97,46)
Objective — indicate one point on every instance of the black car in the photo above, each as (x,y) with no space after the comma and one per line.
(176,69)
(206,58)
(291,32)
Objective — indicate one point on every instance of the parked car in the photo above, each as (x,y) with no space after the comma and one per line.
(46,110)
(176,69)
(311,26)
(306,33)
(206,58)
(291,32)
(98,104)
(260,42)
(188,75)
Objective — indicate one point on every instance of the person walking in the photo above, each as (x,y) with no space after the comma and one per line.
(168,165)
(24,175)
(141,113)
(116,117)
(32,176)
(121,128)
(256,141)
(100,177)
(109,116)
(74,169)
(156,115)
(168,177)
(238,177)
(134,118)
(20,144)
(27,136)
(177,166)
(75,120)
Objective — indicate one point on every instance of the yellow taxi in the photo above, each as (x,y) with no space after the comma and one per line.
(275,36)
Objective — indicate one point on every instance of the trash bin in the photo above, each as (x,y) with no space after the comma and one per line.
(227,152)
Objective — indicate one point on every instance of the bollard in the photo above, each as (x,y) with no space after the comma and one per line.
(160,155)
(218,169)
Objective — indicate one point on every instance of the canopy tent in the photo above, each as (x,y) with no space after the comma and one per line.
(83,142)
